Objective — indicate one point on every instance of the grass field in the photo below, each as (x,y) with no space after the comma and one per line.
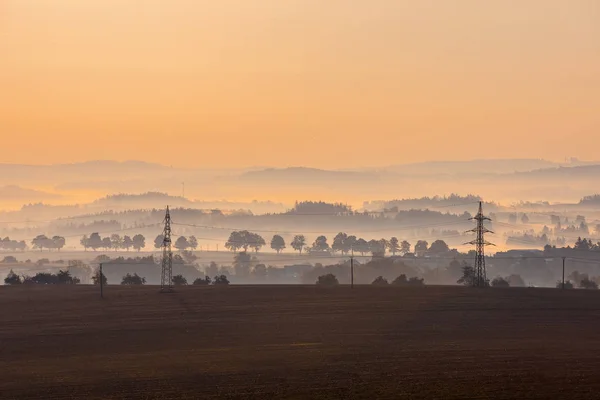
(299,342)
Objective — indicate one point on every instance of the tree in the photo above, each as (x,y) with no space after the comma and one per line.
(327,280)
(40,241)
(139,242)
(500,282)
(361,246)
(134,279)
(235,241)
(241,264)
(259,272)
(12,279)
(277,243)
(421,248)
(254,241)
(179,280)
(524,219)
(127,242)
(404,247)
(568,285)
(338,242)
(414,281)
(97,277)
(380,281)
(193,242)
(158,241)
(298,243)
(349,243)
(106,243)
(95,241)
(400,281)
(181,243)
(202,281)
(320,244)
(65,278)
(587,283)
(116,241)
(439,247)
(221,280)
(515,280)
(394,245)
(468,278)
(84,242)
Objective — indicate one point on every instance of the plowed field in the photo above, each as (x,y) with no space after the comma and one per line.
(299,342)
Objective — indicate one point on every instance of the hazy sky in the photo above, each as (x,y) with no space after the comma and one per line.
(298,82)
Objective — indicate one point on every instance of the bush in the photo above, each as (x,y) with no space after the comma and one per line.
(179,280)
(587,283)
(380,281)
(134,279)
(327,280)
(9,260)
(403,281)
(221,280)
(46,278)
(568,285)
(202,281)
(500,282)
(12,279)
(96,278)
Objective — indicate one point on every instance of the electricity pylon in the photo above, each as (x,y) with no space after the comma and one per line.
(479,276)
(166,279)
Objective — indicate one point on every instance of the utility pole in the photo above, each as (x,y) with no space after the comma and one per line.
(479,278)
(563,273)
(352,271)
(166,280)
(101,282)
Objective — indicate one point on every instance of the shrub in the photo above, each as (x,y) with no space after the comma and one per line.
(327,280)
(587,283)
(202,281)
(134,279)
(400,281)
(179,280)
(403,281)
(12,279)
(500,282)
(568,285)
(380,281)
(96,278)
(221,280)
(414,281)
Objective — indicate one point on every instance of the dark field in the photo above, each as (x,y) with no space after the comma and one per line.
(299,342)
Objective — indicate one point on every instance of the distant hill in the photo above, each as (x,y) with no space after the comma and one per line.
(11,193)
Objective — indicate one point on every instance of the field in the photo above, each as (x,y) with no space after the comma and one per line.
(298,342)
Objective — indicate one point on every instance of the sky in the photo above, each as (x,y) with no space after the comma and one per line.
(337,83)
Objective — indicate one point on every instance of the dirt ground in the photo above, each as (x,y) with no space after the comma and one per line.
(298,342)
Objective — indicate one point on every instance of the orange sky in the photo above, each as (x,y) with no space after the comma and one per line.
(298,82)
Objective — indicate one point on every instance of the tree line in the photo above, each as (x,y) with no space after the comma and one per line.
(342,243)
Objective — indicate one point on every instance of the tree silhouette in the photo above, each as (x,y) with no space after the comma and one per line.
(116,241)
(193,242)
(338,242)
(380,281)
(361,246)
(320,244)
(277,243)
(139,242)
(221,280)
(58,242)
(202,281)
(254,241)
(298,243)
(404,247)
(40,242)
(500,282)
(97,276)
(394,245)
(95,241)
(235,241)
(106,243)
(181,243)
(84,242)
(241,264)
(179,280)
(327,280)
(134,279)
(158,241)
(439,247)
(127,242)
(12,279)
(421,248)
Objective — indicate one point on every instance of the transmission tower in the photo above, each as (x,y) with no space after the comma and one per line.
(479,277)
(166,280)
